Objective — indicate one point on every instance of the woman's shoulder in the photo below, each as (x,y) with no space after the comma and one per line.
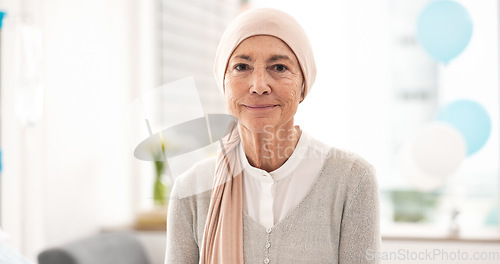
(348,159)
(337,157)
(342,162)
(197,179)
(348,167)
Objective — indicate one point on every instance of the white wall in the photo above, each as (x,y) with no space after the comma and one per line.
(77,157)
(89,80)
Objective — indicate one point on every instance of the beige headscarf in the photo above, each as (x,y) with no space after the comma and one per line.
(223,235)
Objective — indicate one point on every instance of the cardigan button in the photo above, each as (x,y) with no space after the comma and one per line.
(266,261)
(268,245)
(268,230)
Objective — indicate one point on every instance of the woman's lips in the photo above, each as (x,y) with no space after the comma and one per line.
(260,107)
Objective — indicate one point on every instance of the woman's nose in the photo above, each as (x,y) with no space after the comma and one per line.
(260,83)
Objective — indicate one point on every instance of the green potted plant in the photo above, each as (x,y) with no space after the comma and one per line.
(155,218)
(160,189)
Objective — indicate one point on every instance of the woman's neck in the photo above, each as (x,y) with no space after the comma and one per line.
(270,149)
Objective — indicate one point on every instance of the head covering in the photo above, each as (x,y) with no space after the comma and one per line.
(271,22)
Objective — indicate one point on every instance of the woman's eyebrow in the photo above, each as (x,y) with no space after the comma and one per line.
(278,57)
(244,57)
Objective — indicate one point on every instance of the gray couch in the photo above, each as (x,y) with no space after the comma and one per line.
(109,248)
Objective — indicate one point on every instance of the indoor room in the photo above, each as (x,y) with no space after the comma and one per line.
(106,104)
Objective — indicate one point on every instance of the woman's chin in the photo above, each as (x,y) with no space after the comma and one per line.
(258,126)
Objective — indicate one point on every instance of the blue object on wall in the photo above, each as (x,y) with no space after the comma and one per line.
(2,14)
(444,29)
(471,119)
(492,218)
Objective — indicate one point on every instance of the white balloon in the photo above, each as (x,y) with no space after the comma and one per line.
(408,169)
(431,156)
(439,149)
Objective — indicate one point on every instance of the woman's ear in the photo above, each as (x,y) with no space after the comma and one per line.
(302,93)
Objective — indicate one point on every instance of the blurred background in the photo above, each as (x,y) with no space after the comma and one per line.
(411,85)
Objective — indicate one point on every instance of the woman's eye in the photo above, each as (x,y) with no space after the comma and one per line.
(241,67)
(280,67)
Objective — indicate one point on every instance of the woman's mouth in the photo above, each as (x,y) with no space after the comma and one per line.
(260,107)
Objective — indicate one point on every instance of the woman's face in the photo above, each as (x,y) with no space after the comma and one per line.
(263,84)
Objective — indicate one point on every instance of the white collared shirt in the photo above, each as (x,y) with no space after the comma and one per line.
(269,197)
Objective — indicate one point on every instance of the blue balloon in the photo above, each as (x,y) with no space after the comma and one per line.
(444,29)
(471,119)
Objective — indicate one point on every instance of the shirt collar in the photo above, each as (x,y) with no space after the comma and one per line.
(284,170)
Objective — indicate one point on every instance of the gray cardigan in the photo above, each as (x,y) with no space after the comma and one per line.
(336,222)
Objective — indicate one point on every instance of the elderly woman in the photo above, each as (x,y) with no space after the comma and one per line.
(273,194)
